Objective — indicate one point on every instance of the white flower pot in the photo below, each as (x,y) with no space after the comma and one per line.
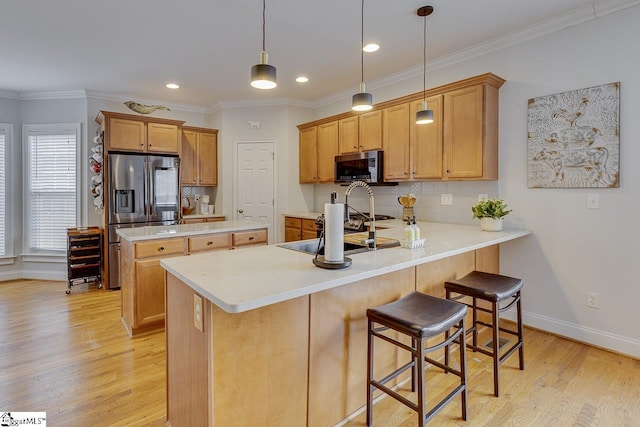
(491,224)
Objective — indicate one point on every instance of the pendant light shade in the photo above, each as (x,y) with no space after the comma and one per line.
(263,75)
(424,116)
(362,101)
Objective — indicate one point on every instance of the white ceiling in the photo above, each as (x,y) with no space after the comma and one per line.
(135,47)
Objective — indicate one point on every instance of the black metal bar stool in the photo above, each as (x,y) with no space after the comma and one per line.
(418,316)
(495,289)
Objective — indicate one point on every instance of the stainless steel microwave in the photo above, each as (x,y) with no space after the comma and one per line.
(365,166)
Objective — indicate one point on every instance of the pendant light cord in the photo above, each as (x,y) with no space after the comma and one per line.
(264,23)
(424,59)
(362,44)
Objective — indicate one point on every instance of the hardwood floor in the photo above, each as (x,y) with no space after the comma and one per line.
(71,357)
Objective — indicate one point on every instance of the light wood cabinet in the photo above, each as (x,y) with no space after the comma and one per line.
(209,242)
(370,131)
(199,164)
(299,229)
(126,132)
(471,133)
(361,133)
(318,148)
(150,292)
(201,220)
(348,135)
(249,238)
(461,144)
(395,142)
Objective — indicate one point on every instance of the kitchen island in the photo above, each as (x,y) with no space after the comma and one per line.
(142,280)
(282,342)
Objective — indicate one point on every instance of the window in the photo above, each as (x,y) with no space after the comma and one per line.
(5,138)
(51,202)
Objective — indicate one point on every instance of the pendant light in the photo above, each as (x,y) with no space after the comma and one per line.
(362,101)
(263,75)
(424,116)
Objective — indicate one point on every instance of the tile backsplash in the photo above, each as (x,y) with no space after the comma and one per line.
(428,195)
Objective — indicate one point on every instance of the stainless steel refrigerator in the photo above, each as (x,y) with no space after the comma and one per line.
(143,190)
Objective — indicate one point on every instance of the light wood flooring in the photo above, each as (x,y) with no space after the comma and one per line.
(70,356)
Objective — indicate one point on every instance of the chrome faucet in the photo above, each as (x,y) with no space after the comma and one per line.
(371,241)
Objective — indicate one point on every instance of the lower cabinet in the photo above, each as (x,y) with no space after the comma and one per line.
(201,220)
(143,279)
(296,228)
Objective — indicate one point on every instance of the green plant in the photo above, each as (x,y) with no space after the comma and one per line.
(491,208)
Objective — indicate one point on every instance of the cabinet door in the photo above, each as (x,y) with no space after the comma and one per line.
(395,142)
(207,159)
(292,234)
(370,135)
(426,141)
(188,166)
(463,133)
(149,292)
(308,155)
(162,138)
(327,150)
(348,137)
(128,135)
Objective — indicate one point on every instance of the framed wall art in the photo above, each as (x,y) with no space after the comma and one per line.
(574,139)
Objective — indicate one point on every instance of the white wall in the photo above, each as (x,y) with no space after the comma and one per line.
(277,124)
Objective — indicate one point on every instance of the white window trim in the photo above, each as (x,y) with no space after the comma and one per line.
(10,187)
(51,255)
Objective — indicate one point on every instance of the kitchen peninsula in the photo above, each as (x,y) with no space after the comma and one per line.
(282,342)
(142,248)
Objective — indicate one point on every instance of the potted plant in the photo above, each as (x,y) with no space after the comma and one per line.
(490,213)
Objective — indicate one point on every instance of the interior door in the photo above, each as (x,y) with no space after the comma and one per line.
(255,186)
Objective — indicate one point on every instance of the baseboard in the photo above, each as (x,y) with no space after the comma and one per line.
(10,275)
(44,275)
(606,340)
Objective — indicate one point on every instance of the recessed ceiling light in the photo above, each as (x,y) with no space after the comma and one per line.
(302,79)
(371,47)
(172,86)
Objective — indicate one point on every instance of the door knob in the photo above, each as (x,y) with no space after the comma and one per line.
(240,211)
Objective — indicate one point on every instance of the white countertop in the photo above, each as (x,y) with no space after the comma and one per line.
(194,216)
(185,230)
(250,278)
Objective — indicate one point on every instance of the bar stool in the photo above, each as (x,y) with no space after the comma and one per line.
(494,288)
(418,316)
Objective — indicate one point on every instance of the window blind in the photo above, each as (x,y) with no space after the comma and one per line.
(52,189)
(3,192)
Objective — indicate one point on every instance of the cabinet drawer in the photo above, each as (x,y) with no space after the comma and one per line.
(208,242)
(159,248)
(309,225)
(249,237)
(292,222)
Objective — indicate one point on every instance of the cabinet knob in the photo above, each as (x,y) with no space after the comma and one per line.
(405,173)
(448,171)
(209,243)
(251,237)
(240,211)
(161,248)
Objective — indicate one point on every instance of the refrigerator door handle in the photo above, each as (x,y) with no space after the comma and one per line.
(147,189)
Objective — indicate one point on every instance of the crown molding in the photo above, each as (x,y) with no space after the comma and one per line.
(7,94)
(39,96)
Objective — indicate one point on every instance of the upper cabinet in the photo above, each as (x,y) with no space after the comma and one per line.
(318,148)
(199,164)
(126,132)
(461,143)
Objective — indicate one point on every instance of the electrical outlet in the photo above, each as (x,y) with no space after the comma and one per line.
(593,300)
(593,201)
(446,199)
(483,197)
(198,320)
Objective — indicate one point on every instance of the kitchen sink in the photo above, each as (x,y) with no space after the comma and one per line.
(350,248)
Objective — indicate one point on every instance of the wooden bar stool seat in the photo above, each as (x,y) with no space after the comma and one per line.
(418,316)
(496,289)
